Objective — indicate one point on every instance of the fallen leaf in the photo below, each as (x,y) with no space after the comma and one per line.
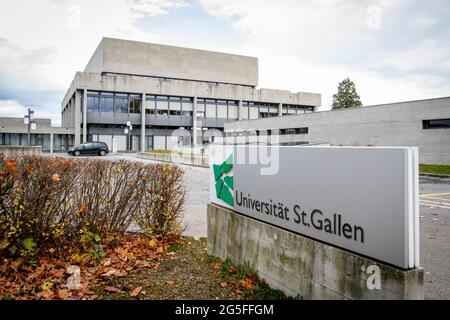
(111,289)
(15,265)
(136,292)
(224,284)
(152,243)
(216,266)
(156,266)
(170,283)
(51,250)
(46,285)
(64,294)
(248,283)
(48,294)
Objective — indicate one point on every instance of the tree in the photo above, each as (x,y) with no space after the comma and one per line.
(346,96)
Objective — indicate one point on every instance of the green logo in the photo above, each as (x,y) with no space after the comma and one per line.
(224,181)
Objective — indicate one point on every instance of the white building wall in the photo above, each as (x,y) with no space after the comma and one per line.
(398,124)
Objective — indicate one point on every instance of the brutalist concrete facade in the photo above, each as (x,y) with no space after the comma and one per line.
(404,124)
(303,267)
(161,90)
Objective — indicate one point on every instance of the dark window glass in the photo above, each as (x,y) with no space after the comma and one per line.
(120,105)
(92,104)
(436,124)
(175,112)
(135,105)
(106,104)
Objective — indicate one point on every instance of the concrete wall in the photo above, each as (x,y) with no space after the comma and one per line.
(398,124)
(301,266)
(139,58)
(190,160)
(17,151)
(134,84)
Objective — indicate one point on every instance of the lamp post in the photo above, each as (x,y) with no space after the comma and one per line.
(30,122)
(128,129)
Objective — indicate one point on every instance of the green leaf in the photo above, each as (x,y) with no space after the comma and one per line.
(29,244)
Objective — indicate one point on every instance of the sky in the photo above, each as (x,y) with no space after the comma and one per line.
(392,50)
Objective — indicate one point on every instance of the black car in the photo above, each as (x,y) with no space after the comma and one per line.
(89,148)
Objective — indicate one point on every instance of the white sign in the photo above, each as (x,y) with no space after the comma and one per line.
(33,126)
(363,200)
(128,123)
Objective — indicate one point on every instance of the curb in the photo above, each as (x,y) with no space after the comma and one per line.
(434,175)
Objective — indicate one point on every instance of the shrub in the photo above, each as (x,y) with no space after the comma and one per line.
(160,213)
(35,210)
(51,203)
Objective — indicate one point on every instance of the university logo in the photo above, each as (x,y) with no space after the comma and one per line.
(224,181)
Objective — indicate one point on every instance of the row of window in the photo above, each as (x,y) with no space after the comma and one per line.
(61,142)
(113,102)
(282,132)
(183,106)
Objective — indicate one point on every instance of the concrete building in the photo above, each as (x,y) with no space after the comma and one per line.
(424,124)
(170,96)
(13,132)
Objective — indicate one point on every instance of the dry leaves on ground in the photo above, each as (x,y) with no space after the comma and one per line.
(47,279)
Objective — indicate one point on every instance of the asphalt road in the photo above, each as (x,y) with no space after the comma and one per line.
(434,223)
(435,236)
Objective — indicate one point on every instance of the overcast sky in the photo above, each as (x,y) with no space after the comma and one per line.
(392,50)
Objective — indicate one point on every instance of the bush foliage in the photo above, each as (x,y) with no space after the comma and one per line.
(52,203)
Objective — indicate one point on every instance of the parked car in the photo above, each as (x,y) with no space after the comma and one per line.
(90,148)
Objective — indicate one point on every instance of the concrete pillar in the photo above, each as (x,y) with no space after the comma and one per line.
(280,109)
(51,142)
(194,123)
(240,111)
(85,115)
(143,123)
(77,117)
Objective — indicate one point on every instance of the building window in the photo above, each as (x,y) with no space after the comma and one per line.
(121,105)
(106,104)
(135,104)
(436,124)
(211,108)
(92,104)
(293,131)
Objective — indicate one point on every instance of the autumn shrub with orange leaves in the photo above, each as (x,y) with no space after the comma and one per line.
(54,203)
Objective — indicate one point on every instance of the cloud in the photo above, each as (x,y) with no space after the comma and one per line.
(43,46)
(393,50)
(154,8)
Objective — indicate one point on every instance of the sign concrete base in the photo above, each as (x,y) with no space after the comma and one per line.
(303,267)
